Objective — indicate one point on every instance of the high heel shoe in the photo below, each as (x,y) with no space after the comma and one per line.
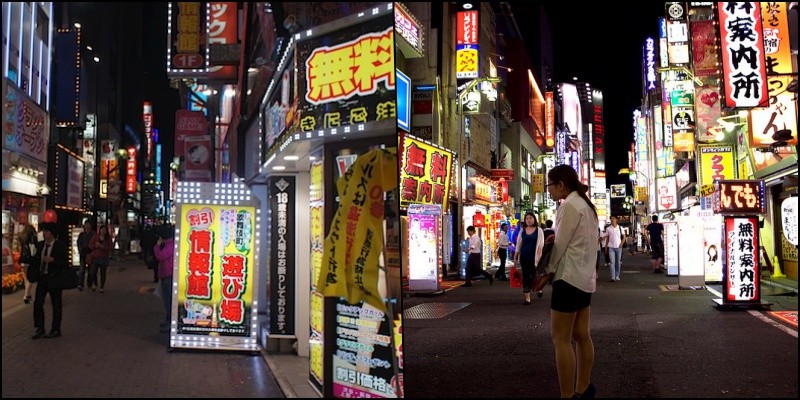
(589,393)
(26,299)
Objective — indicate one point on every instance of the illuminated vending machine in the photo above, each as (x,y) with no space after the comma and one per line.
(740,202)
(424,242)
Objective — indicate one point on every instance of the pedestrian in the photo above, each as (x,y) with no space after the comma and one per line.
(655,235)
(100,257)
(52,261)
(614,240)
(123,239)
(84,238)
(164,251)
(149,237)
(474,258)
(548,230)
(630,244)
(502,251)
(572,261)
(27,241)
(530,243)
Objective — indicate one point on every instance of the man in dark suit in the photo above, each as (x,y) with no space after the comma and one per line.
(52,258)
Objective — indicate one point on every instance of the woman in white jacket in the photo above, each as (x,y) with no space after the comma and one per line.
(530,242)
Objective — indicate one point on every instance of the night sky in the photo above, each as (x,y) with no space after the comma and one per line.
(600,43)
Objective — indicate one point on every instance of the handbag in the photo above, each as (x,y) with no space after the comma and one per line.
(32,272)
(543,275)
(67,278)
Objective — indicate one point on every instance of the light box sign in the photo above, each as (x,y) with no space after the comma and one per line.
(739,197)
(742,280)
(403,101)
(467,27)
(467,61)
(282,264)
(187,49)
(618,191)
(766,122)
(742,42)
(361,90)
(26,126)
(716,163)
(423,247)
(425,173)
(130,171)
(777,46)
(407,27)
(216,267)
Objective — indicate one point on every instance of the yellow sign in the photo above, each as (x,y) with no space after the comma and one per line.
(777,46)
(216,264)
(355,240)
(425,174)
(537,183)
(716,163)
(467,61)
(706,190)
(641,193)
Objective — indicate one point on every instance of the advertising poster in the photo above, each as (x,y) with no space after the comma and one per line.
(363,92)
(704,48)
(215,269)
(425,173)
(423,247)
(26,126)
(742,270)
(712,245)
(745,83)
(709,110)
(671,247)
(316,302)
(691,266)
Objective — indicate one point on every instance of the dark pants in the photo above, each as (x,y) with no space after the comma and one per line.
(474,267)
(501,270)
(102,265)
(43,290)
(528,270)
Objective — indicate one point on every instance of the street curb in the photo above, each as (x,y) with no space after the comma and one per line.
(283,383)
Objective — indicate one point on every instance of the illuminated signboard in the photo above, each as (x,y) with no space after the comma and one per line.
(425,173)
(423,247)
(550,118)
(279,109)
(598,139)
(316,359)
(403,101)
(704,48)
(618,191)
(742,273)
(130,171)
(744,69)
(780,115)
(147,119)
(187,49)
(667,194)
(650,64)
(467,61)
(777,46)
(282,255)
(216,267)
(467,27)
(709,110)
(223,25)
(739,197)
(716,163)
(347,77)
(407,28)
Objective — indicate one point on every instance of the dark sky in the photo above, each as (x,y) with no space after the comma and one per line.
(600,43)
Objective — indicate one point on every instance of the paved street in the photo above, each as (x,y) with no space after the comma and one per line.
(649,342)
(111,347)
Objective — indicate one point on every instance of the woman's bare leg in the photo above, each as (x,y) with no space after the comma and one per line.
(561,331)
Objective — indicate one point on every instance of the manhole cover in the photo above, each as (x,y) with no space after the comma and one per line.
(432,310)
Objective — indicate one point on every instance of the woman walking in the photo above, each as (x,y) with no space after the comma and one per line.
(27,241)
(573,261)
(530,243)
(164,251)
(101,246)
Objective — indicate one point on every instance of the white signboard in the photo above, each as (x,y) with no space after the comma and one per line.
(423,247)
(671,247)
(789,219)
(667,194)
(692,268)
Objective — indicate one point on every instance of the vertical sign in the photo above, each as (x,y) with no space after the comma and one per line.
(777,46)
(742,280)
(403,101)
(130,171)
(187,49)
(716,163)
(147,119)
(316,201)
(744,70)
(282,263)
(599,132)
(425,173)
(550,119)
(467,60)
(223,25)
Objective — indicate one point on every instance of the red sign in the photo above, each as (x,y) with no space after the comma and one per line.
(467,27)
(186,61)
(743,65)
(507,174)
(742,274)
(222,29)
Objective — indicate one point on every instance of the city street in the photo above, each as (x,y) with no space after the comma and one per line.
(111,347)
(650,339)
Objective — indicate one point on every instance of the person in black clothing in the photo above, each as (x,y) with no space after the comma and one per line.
(655,234)
(548,230)
(51,257)
(149,237)
(83,250)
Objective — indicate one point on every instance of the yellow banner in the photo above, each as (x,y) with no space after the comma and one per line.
(777,46)
(641,193)
(425,174)
(216,264)
(716,163)
(355,240)
(706,190)
(537,183)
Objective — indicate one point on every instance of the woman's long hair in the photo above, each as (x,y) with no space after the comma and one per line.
(567,175)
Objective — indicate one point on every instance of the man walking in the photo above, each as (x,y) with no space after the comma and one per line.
(614,237)
(655,235)
(474,259)
(502,251)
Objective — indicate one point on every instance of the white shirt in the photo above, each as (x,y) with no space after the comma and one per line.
(575,249)
(614,236)
(502,240)
(474,244)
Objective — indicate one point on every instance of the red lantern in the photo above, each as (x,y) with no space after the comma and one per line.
(478,220)
(50,216)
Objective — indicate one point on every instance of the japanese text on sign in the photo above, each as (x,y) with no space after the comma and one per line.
(741,197)
(742,249)
(743,54)
(425,173)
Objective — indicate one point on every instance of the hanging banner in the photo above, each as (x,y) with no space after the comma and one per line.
(282,265)
(216,267)
(742,281)
(777,45)
(744,69)
(780,118)
(704,48)
(709,110)
(187,49)
(26,126)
